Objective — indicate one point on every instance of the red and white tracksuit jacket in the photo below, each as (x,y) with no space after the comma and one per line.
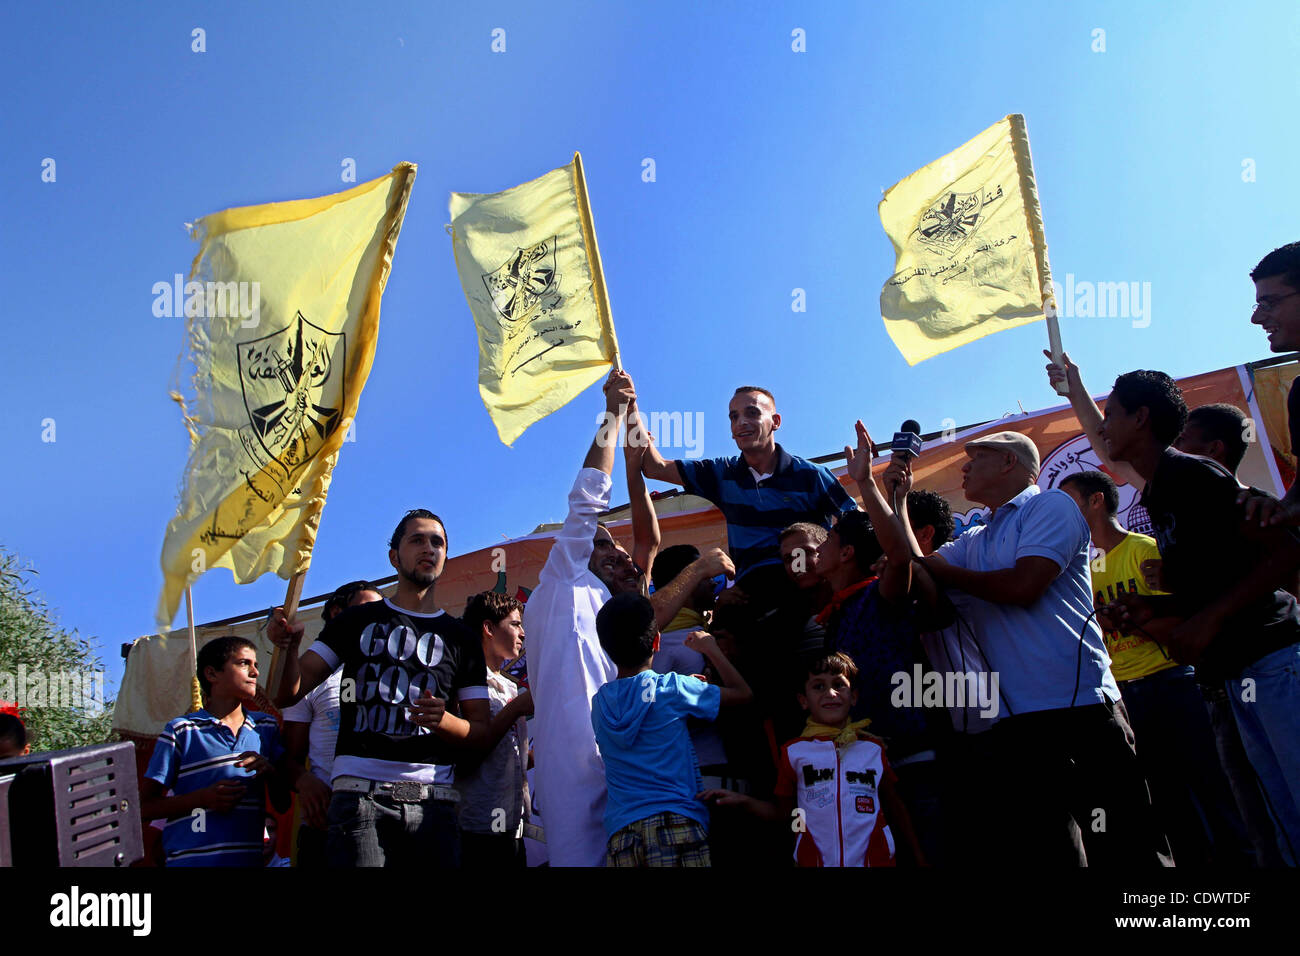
(837,787)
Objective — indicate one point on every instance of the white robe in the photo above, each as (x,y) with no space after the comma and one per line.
(566,666)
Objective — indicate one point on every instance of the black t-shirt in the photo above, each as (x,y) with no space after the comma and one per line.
(392,656)
(1197,524)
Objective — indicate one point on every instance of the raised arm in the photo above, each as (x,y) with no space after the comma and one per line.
(668,600)
(1089,415)
(655,466)
(299,677)
(734,690)
(645,523)
(588,498)
(896,579)
(601,453)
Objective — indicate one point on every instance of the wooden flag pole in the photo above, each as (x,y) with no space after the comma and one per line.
(196,689)
(291,598)
(1054,340)
(1034,212)
(598,271)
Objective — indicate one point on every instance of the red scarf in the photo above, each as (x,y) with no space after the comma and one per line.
(837,601)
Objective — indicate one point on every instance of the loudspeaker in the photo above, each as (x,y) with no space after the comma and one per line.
(77,807)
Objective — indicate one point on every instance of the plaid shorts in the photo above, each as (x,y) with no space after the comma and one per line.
(665,839)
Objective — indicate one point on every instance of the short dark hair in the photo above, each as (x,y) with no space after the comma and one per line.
(1091,482)
(854,530)
(626,627)
(1283,261)
(671,562)
(13,730)
(755,388)
(1226,423)
(489,606)
(343,595)
(1159,395)
(414,513)
(931,508)
(834,663)
(215,654)
(814,531)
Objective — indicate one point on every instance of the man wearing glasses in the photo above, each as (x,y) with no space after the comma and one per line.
(1277,310)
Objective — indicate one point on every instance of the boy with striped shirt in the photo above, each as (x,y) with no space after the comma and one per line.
(217,763)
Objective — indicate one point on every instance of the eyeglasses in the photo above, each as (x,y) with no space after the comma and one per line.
(1266,305)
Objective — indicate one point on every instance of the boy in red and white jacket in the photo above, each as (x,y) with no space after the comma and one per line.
(833,781)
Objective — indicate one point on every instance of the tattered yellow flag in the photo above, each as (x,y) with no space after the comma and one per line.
(279,376)
(531,272)
(971,258)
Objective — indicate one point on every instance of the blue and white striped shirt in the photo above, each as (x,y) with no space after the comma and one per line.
(757,511)
(196,751)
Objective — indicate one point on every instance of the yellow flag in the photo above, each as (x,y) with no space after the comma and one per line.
(531,272)
(277,378)
(971,258)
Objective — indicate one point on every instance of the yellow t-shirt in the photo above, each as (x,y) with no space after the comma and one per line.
(1131,655)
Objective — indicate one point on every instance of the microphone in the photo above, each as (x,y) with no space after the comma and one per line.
(908,439)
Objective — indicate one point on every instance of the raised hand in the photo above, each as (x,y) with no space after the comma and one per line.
(716,561)
(620,393)
(859,459)
(282,632)
(897,478)
(1066,372)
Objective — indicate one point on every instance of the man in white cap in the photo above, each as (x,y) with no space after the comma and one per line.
(1066,788)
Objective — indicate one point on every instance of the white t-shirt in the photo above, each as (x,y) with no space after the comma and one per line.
(320,709)
(496,784)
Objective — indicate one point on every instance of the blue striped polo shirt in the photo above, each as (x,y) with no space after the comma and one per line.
(196,751)
(757,512)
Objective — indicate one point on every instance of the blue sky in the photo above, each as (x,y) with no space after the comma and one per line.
(769,165)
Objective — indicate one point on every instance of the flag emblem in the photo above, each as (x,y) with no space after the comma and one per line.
(950,221)
(524,282)
(293,400)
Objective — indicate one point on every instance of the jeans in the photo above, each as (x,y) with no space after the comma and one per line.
(373,829)
(1266,702)
(1176,749)
(1241,778)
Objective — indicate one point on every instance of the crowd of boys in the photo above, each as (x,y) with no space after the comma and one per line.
(1100,697)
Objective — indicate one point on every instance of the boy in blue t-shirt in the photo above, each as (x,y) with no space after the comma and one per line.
(652,816)
(218,763)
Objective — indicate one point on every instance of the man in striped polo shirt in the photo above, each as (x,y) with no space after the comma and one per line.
(760,492)
(217,763)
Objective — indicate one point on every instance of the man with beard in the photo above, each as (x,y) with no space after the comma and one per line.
(566,664)
(402,659)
